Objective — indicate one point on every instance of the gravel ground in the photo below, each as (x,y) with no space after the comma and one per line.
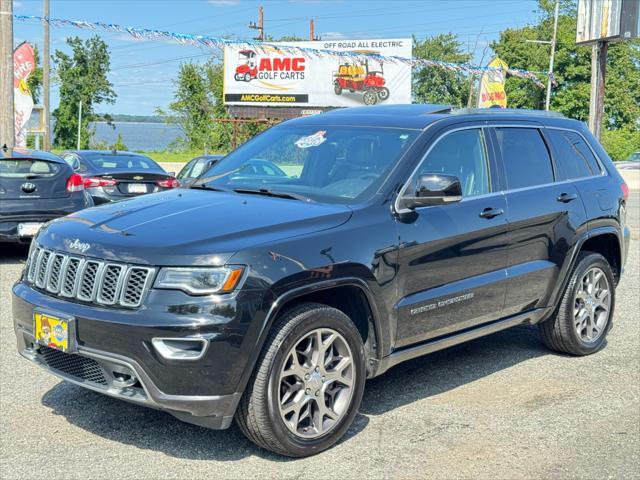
(498,407)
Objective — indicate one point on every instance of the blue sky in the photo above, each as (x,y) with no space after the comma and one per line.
(142,71)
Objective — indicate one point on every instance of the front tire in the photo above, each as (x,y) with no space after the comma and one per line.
(370,97)
(247,77)
(307,385)
(337,89)
(585,313)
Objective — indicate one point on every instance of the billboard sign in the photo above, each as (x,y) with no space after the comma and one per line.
(607,20)
(270,77)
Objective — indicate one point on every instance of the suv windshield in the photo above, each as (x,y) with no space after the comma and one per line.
(333,164)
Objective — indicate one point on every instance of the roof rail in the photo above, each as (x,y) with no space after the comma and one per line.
(506,111)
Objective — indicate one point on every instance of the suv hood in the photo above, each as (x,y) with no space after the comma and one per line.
(187,227)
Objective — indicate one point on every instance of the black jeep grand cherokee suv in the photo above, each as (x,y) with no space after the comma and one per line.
(394,231)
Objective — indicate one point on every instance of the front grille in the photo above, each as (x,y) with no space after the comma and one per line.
(87,279)
(76,366)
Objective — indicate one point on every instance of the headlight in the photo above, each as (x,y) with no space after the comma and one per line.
(199,280)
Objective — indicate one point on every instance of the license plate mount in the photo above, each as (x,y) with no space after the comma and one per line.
(137,188)
(54,330)
(29,229)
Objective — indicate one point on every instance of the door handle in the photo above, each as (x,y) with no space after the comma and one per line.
(567,197)
(491,212)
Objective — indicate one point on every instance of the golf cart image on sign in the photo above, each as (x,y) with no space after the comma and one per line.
(358,77)
(246,69)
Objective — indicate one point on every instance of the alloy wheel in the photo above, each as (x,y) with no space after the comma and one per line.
(592,305)
(316,383)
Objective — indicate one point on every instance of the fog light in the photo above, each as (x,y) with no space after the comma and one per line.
(123,378)
(181,348)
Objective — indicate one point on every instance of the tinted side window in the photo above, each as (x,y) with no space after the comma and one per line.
(463,154)
(574,155)
(526,158)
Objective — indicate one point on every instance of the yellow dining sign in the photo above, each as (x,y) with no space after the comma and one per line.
(492,92)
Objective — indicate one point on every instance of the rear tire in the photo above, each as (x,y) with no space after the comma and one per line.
(584,316)
(303,394)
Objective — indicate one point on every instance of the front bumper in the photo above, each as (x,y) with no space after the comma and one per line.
(111,341)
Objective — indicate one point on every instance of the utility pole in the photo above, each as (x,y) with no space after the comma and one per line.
(46,145)
(260,25)
(79,122)
(7,122)
(596,101)
(553,54)
(312,31)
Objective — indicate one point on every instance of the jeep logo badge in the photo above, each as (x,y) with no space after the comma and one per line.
(28,187)
(79,246)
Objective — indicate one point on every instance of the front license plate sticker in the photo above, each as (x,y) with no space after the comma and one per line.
(137,188)
(28,229)
(51,331)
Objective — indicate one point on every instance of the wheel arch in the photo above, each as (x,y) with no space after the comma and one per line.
(338,293)
(604,240)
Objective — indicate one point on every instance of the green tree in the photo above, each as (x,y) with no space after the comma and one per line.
(436,85)
(34,82)
(197,102)
(83,79)
(572,69)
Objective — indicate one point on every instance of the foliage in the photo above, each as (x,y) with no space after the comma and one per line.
(621,143)
(572,69)
(198,102)
(34,82)
(117,145)
(435,85)
(195,104)
(83,79)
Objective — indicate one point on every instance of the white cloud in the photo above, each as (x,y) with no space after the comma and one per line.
(333,36)
(224,3)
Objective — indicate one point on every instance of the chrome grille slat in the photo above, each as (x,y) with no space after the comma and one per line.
(136,283)
(88,279)
(111,283)
(55,268)
(43,265)
(33,263)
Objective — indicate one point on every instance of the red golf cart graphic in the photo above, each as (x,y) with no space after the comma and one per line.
(358,76)
(246,69)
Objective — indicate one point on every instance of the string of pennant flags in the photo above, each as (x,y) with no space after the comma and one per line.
(220,43)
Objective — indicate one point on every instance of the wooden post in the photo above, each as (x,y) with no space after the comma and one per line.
(312,35)
(46,144)
(7,121)
(598,74)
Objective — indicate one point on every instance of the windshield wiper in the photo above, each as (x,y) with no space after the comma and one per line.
(208,187)
(203,180)
(272,193)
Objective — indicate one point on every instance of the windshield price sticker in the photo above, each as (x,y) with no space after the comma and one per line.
(312,140)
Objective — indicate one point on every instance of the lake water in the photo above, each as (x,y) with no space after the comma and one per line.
(138,135)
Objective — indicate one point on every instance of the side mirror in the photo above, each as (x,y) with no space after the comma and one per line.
(435,189)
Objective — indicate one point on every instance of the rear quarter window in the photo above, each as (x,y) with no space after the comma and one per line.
(24,168)
(573,156)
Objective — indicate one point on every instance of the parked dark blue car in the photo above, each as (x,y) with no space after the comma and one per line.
(36,187)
